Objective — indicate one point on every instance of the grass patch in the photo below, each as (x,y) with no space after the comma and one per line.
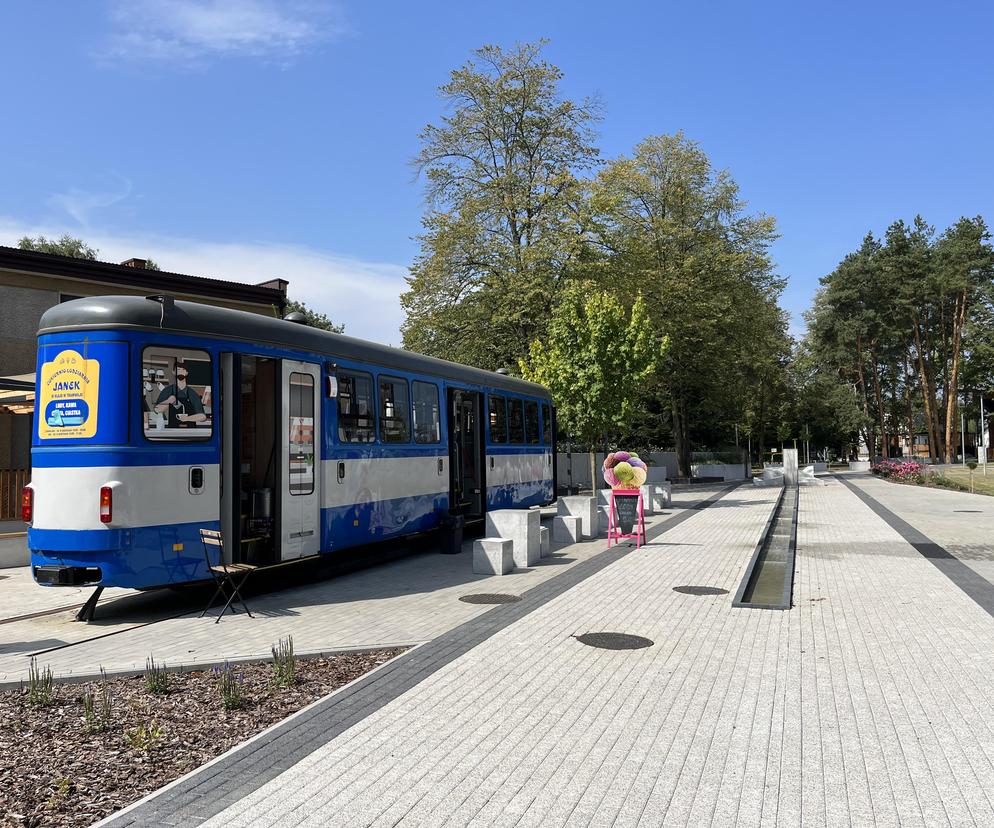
(961,477)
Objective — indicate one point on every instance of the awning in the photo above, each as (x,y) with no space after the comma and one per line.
(17,393)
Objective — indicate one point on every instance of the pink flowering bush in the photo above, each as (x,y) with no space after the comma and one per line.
(904,471)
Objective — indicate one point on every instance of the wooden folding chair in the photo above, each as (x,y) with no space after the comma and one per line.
(226,575)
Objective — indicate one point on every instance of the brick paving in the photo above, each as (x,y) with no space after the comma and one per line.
(868,703)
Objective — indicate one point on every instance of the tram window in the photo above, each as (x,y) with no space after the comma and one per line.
(516,421)
(176,398)
(426,419)
(531,421)
(301,454)
(498,418)
(395,410)
(546,424)
(356,415)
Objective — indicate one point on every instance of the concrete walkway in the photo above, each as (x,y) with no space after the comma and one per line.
(404,602)
(868,703)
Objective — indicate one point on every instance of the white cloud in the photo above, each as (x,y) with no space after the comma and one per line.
(190,33)
(363,295)
(81,203)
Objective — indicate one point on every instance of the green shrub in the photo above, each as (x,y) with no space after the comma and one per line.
(229,686)
(284,663)
(40,684)
(144,737)
(156,677)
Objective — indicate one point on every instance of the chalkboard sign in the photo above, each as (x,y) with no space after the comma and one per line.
(627,509)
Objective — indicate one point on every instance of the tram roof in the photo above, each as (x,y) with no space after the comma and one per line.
(135,312)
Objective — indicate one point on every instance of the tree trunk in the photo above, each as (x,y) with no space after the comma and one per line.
(681,436)
(868,439)
(884,448)
(928,397)
(908,378)
(952,395)
(593,471)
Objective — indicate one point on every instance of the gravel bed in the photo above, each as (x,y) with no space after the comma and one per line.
(59,769)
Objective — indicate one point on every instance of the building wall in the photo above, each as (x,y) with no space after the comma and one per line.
(20,310)
(15,440)
(24,297)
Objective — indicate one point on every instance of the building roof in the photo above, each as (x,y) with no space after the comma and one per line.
(109,312)
(50,264)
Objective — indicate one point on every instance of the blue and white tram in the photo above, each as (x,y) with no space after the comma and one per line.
(155,418)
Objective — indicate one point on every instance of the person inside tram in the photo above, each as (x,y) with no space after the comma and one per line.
(180,403)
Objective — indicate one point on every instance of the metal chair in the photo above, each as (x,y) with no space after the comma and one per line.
(226,575)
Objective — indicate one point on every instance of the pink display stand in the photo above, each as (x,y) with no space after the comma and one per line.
(614,533)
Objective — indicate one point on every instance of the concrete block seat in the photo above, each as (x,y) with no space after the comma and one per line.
(493,556)
(582,507)
(523,528)
(661,495)
(648,508)
(545,541)
(566,529)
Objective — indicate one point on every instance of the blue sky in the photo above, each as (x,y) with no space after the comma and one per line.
(253,139)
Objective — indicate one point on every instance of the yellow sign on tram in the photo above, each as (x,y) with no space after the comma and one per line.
(67,397)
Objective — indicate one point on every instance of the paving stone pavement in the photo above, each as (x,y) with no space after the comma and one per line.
(868,703)
(962,523)
(404,602)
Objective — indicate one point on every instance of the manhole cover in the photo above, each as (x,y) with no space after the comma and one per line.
(489,598)
(700,590)
(613,641)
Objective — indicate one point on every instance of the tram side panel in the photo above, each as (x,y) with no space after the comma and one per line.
(381,492)
(517,479)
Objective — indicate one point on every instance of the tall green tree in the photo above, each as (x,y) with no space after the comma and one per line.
(505,208)
(594,357)
(902,321)
(676,229)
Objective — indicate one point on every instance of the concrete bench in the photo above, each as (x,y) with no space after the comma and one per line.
(522,527)
(545,541)
(647,507)
(603,518)
(661,495)
(492,556)
(584,508)
(566,529)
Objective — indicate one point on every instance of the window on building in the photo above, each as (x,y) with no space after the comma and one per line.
(176,396)
(356,411)
(498,418)
(531,421)
(395,410)
(516,420)
(427,428)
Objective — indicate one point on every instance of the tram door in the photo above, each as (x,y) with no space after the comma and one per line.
(466,469)
(300,495)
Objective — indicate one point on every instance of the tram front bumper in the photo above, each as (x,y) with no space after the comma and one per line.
(55,575)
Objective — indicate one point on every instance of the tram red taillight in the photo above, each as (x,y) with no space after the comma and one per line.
(27,504)
(106,504)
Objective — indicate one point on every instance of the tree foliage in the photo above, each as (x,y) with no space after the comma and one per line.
(901,320)
(503,227)
(66,245)
(522,214)
(314,318)
(594,356)
(676,229)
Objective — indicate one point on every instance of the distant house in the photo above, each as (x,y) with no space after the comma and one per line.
(31,283)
